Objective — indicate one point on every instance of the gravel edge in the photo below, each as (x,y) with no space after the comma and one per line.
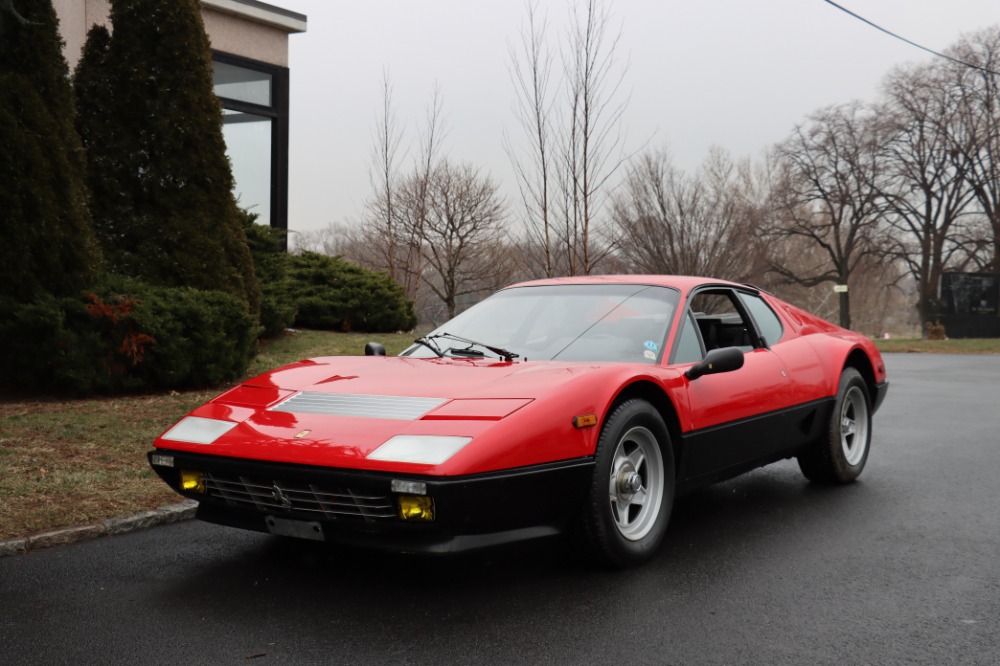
(170,513)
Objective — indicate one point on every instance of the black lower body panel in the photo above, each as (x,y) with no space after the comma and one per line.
(360,508)
(722,452)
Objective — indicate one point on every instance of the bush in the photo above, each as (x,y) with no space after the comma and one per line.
(201,337)
(271,262)
(332,294)
(935,331)
(127,336)
(44,349)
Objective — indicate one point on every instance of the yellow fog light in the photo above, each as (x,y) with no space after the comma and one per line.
(416,507)
(193,482)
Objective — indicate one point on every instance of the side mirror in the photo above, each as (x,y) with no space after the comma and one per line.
(726,359)
(374,349)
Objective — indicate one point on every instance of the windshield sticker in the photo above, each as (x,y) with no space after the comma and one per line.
(651,355)
(651,346)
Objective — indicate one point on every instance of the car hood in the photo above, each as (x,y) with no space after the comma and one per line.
(335,411)
(421,377)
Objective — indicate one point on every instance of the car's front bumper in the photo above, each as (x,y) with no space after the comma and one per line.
(360,508)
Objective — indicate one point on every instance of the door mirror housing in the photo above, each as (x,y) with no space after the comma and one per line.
(725,359)
(374,349)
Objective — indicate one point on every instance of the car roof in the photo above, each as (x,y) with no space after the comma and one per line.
(684,283)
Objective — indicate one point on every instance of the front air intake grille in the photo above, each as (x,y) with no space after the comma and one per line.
(295,498)
(402,408)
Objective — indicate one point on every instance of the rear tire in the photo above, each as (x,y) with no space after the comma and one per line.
(840,455)
(632,492)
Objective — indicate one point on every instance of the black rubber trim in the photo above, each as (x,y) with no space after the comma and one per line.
(880,390)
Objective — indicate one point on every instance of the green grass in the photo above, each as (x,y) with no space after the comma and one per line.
(70,462)
(300,344)
(919,345)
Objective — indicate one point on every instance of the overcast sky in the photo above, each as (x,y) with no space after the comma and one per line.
(734,73)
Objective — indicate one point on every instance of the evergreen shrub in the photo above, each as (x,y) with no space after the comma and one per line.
(48,244)
(201,337)
(332,294)
(44,349)
(125,337)
(271,264)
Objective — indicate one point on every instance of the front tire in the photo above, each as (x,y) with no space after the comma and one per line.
(840,455)
(632,491)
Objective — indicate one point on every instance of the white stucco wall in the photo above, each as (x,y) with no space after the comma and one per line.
(252,30)
(75,18)
(246,38)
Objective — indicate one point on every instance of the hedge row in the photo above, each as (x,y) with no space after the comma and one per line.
(127,336)
(331,294)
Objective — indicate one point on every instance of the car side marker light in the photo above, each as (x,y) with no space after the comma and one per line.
(585,421)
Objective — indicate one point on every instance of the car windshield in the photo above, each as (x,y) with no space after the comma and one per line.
(613,322)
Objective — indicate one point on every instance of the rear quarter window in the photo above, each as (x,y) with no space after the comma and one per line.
(767,322)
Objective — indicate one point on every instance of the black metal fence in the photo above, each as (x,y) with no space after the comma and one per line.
(970,305)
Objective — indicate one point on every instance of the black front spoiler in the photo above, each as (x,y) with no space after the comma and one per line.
(426,542)
(471,512)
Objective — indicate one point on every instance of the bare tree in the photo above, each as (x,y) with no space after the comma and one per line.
(415,212)
(345,240)
(530,72)
(592,136)
(462,218)
(830,196)
(575,137)
(381,219)
(927,190)
(394,231)
(976,90)
(669,222)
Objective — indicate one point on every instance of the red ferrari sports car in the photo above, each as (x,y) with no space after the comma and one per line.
(582,405)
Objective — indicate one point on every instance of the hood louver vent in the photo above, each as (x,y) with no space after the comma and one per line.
(365,406)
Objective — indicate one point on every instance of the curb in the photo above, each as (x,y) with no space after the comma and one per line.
(170,513)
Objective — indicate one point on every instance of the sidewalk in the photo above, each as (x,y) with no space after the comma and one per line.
(171,513)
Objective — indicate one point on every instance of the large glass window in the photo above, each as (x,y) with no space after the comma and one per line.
(248,142)
(242,84)
(254,98)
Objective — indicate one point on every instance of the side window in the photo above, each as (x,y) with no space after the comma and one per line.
(688,345)
(767,322)
(719,320)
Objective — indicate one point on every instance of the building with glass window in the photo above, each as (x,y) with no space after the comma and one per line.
(250,53)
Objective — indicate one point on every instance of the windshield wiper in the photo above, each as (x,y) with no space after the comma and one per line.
(504,354)
(429,343)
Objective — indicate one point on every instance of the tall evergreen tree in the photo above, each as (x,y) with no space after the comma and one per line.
(93,89)
(160,179)
(48,242)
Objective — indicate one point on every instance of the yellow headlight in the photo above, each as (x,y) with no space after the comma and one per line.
(193,482)
(416,507)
